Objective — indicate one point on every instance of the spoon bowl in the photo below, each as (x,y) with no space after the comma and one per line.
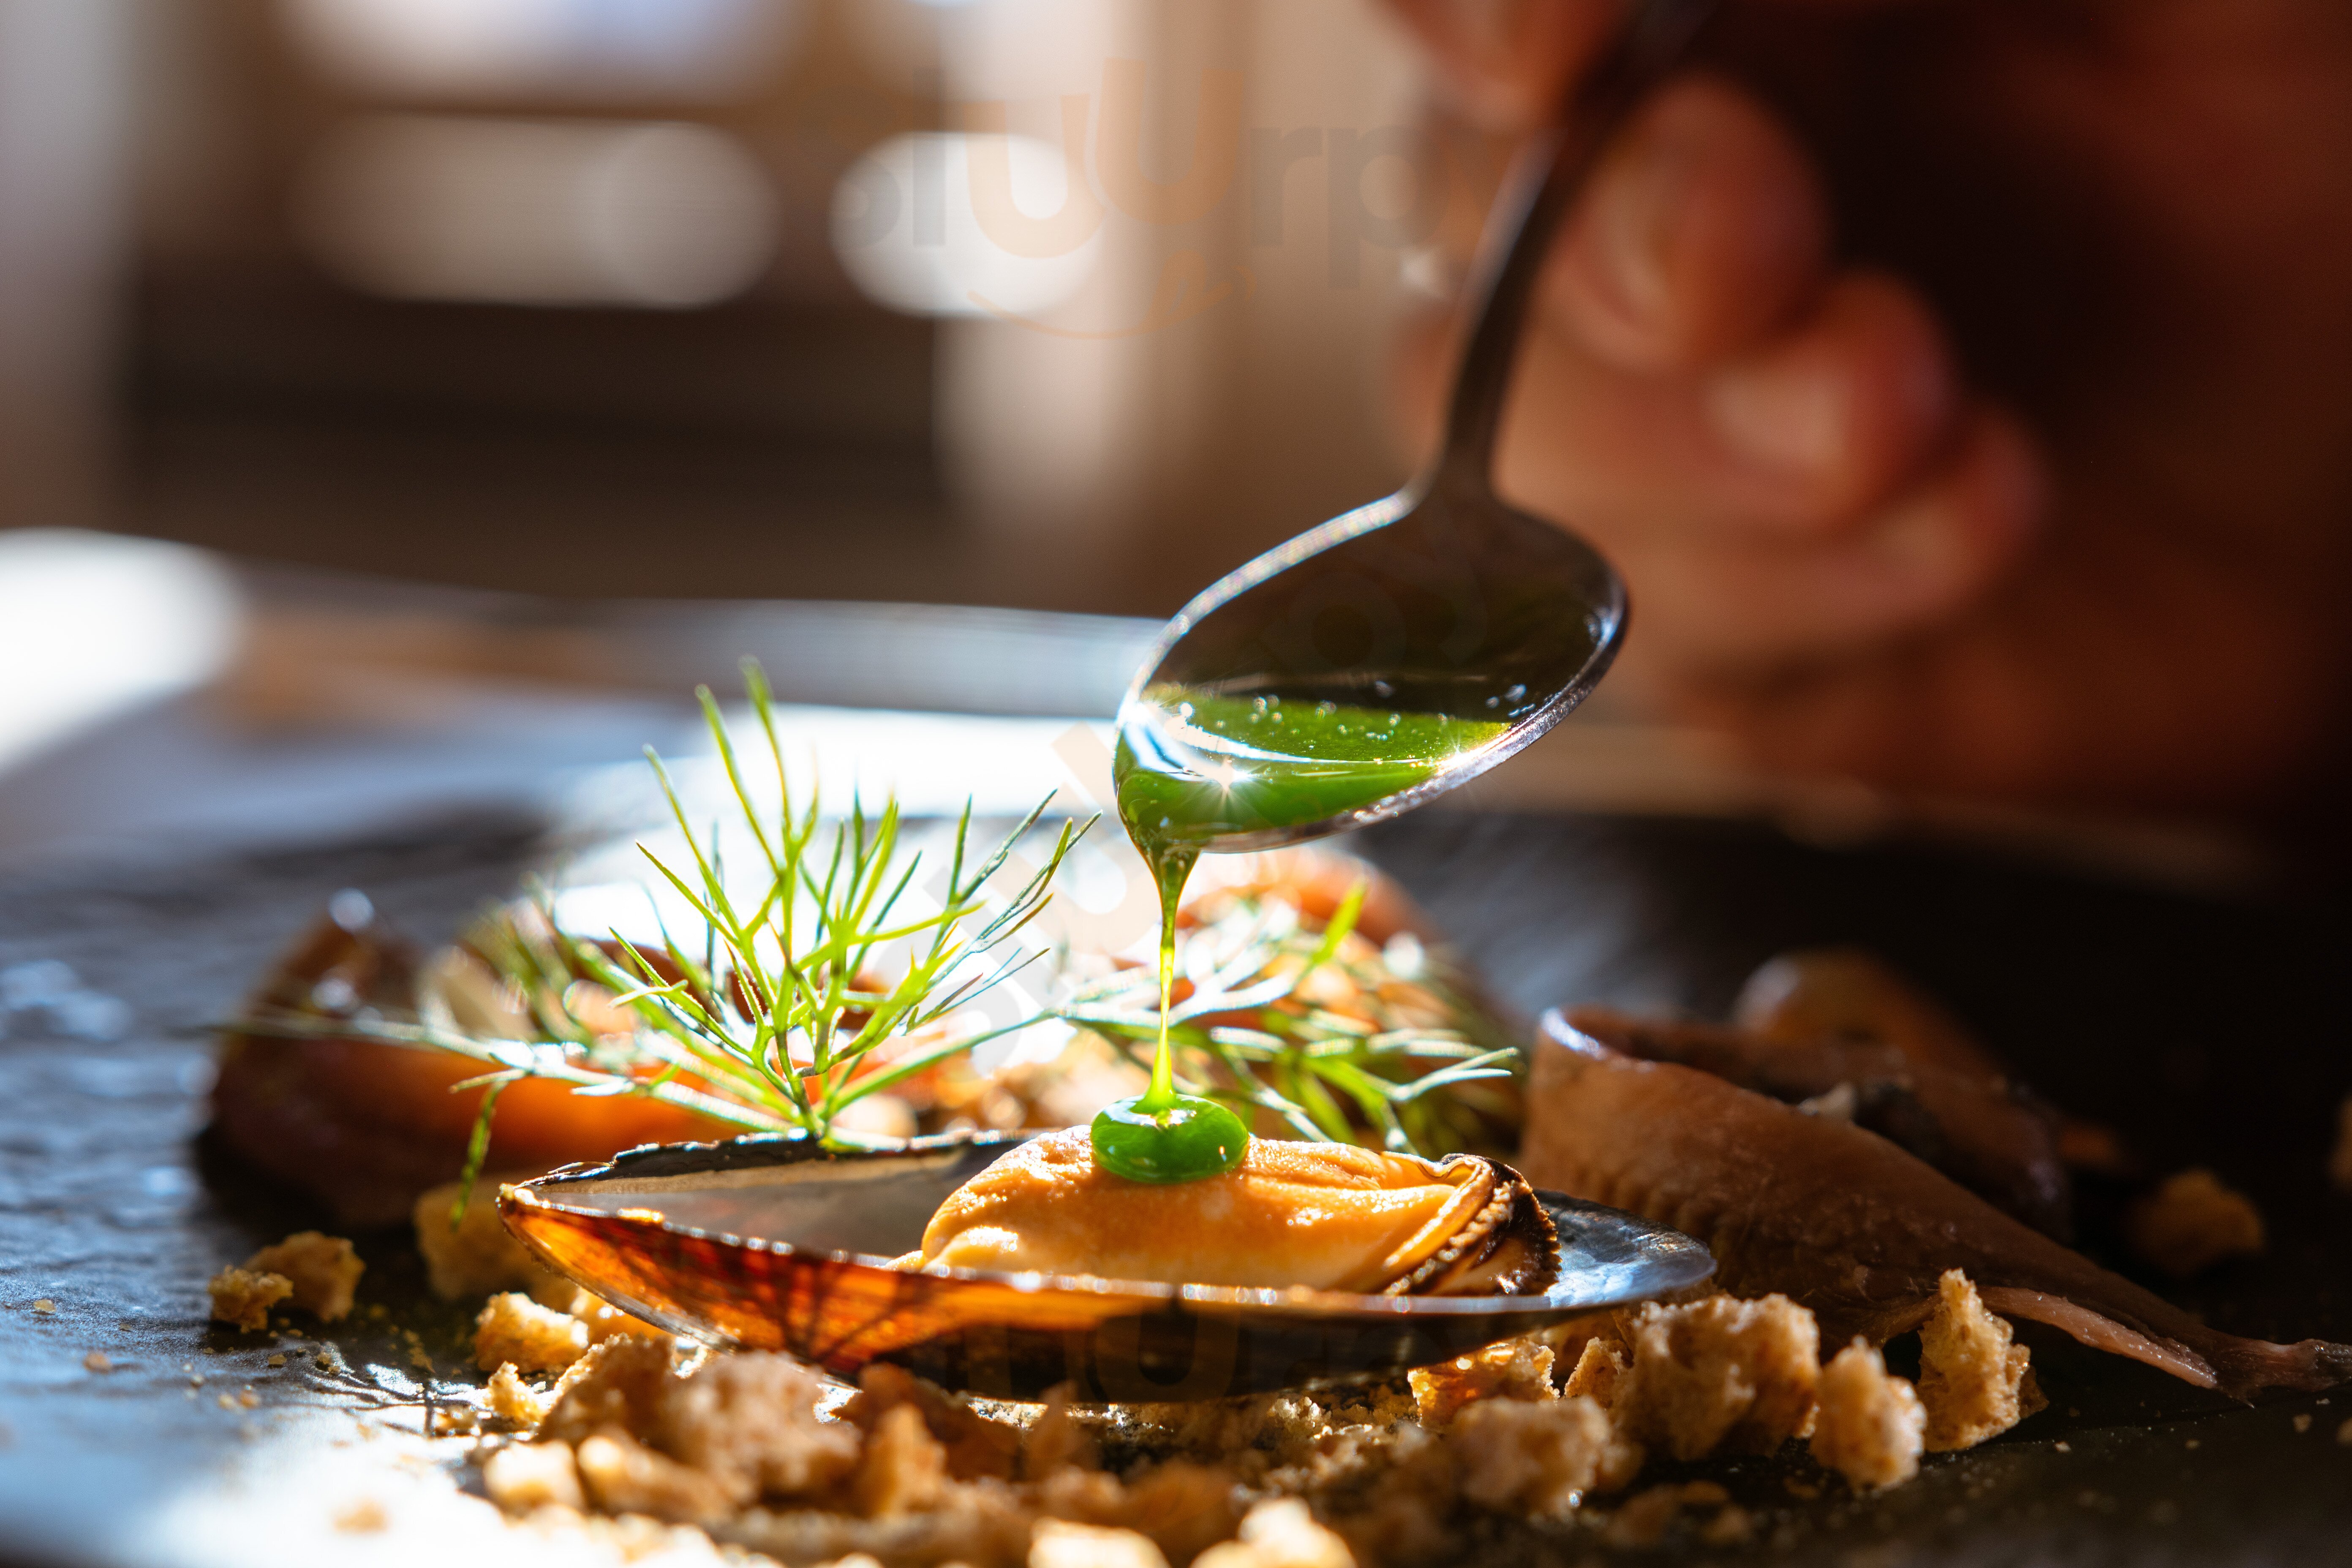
(1439,601)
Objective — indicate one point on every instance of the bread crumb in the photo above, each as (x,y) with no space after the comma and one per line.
(514,1328)
(738,1429)
(361,1516)
(247,1398)
(243,1298)
(278,1360)
(1539,1458)
(2344,1433)
(323,1269)
(617,1384)
(1058,1544)
(1057,1441)
(623,1476)
(904,1468)
(1598,1367)
(480,1255)
(512,1399)
(2303,1423)
(752,1420)
(1867,1423)
(975,1446)
(97,1360)
(1719,1375)
(2192,1222)
(1182,1508)
(1279,1533)
(1973,1381)
(605,1319)
(1513,1369)
(527,1476)
(45,1306)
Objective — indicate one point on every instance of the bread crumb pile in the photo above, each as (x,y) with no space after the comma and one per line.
(315,1272)
(761,1452)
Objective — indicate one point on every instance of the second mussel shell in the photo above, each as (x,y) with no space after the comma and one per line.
(772,1243)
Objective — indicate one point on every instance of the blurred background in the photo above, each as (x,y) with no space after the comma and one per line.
(1066,304)
(403,401)
(431,384)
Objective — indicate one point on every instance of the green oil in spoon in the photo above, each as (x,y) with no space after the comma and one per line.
(1194,768)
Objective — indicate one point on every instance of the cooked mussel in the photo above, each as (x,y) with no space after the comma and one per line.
(773,1243)
(1325,1217)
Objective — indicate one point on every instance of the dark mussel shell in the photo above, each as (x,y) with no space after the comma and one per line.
(772,1243)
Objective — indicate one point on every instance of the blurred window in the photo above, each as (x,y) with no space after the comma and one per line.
(503,290)
(537,212)
(612,49)
(907,231)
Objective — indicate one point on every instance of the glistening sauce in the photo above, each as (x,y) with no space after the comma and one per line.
(1194,768)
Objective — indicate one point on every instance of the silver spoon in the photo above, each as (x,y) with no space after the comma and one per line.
(1441,599)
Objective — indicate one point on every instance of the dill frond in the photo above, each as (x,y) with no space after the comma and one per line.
(825,973)
(775,1016)
(1318,1035)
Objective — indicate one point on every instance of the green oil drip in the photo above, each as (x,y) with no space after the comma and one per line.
(1194,768)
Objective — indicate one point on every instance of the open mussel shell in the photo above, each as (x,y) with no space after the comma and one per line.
(772,1243)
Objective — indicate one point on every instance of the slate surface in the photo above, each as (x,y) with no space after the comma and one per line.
(2211,1034)
(111,1210)
(2208,1033)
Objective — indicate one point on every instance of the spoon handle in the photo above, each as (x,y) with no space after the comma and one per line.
(1545,181)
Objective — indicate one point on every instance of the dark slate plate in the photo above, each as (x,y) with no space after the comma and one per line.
(2211,1033)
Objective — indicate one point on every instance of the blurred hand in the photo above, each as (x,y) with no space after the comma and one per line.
(1965,389)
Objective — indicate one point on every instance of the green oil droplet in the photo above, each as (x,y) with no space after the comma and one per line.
(1179,790)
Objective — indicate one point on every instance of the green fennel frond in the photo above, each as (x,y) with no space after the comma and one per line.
(828,972)
(1316,1034)
(830,961)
